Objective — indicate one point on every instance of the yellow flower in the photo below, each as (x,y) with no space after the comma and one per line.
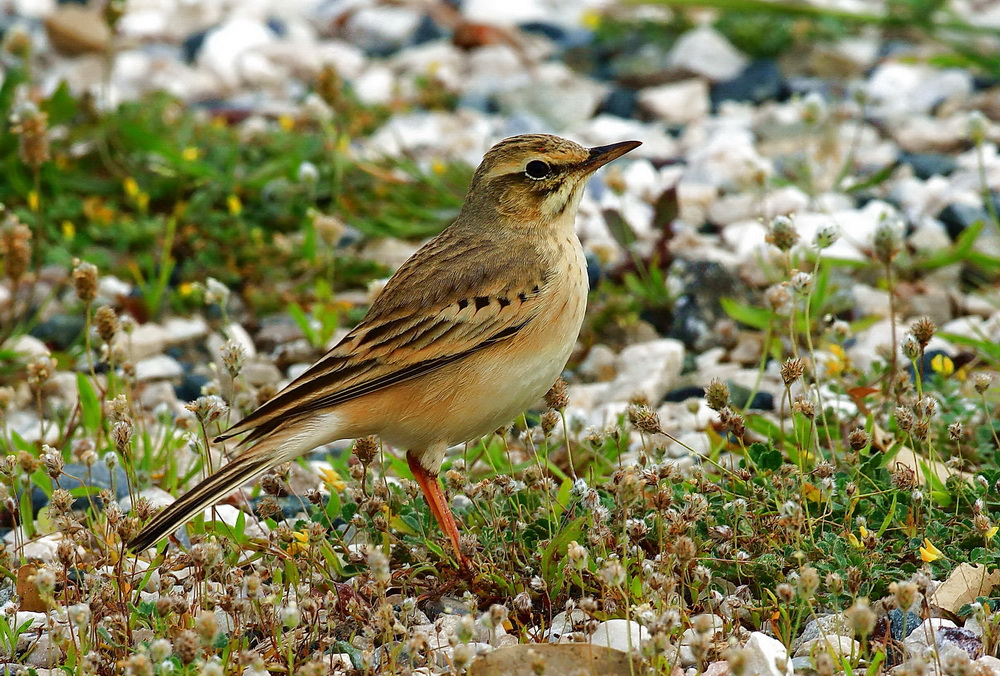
(286,122)
(186,289)
(234,204)
(853,539)
(991,533)
(299,543)
(131,187)
(943,365)
(438,167)
(332,479)
(591,19)
(929,552)
(68,229)
(142,201)
(837,362)
(33,200)
(190,153)
(863,531)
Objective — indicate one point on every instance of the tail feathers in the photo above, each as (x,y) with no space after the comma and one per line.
(205,494)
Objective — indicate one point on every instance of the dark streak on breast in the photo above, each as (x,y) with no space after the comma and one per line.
(481,302)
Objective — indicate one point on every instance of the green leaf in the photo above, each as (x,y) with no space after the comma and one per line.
(754,317)
(90,407)
(765,457)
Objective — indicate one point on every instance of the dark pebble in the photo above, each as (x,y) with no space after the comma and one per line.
(902,626)
(59,332)
(925,165)
(190,386)
(192,46)
(927,369)
(740,397)
(427,31)
(682,394)
(760,81)
(96,478)
(687,323)
(277,25)
(620,102)
(957,217)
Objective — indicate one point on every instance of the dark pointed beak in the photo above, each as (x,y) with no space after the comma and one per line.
(601,155)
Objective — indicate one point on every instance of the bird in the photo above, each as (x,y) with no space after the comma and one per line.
(472,330)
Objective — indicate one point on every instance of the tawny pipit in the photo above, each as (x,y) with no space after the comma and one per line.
(470,331)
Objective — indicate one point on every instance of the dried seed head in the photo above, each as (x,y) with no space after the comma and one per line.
(826,235)
(910,347)
(40,370)
(732,422)
(782,233)
(778,298)
(888,240)
(791,370)
(862,618)
(802,283)
(549,421)
(834,583)
(982,382)
(206,626)
(106,322)
(904,418)
(858,439)
(187,646)
(923,330)
(233,356)
(15,247)
(121,432)
(85,281)
(557,397)
(32,128)
(365,449)
(717,395)
(644,419)
(955,431)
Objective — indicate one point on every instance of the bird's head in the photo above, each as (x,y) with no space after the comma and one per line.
(536,178)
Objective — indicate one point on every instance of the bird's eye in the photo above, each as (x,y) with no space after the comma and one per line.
(537,169)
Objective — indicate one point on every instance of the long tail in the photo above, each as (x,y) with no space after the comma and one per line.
(205,494)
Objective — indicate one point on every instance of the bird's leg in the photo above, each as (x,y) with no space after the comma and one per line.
(439,506)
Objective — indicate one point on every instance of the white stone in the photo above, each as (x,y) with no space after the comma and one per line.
(870,302)
(155,496)
(376,86)
(44,653)
(110,289)
(346,59)
(988,665)
(648,369)
(619,634)
(225,47)
(160,367)
(27,346)
(706,52)
(678,102)
(382,25)
(841,646)
(146,340)
(766,656)
(565,623)
(896,90)
(185,329)
(922,638)
(598,365)
(445,656)
(605,129)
